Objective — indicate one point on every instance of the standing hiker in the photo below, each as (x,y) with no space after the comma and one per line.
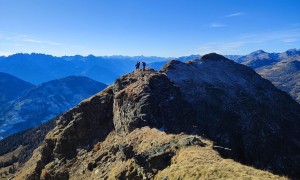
(137,65)
(144,66)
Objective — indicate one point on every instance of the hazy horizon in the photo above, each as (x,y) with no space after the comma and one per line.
(120,55)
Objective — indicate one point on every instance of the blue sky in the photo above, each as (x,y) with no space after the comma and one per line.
(167,28)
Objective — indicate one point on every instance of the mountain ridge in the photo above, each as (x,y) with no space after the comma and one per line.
(199,97)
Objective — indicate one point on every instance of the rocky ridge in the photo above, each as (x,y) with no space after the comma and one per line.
(212,97)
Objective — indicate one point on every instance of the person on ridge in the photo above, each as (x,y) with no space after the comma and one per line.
(144,66)
(137,65)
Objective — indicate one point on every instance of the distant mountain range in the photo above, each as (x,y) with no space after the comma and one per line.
(39,68)
(24,105)
(282,69)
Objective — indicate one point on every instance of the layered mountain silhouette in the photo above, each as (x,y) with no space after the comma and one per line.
(40,68)
(11,87)
(27,105)
(282,69)
(259,58)
(171,124)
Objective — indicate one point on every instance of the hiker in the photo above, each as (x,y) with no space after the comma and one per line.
(137,65)
(144,66)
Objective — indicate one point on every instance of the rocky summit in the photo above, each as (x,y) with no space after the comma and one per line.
(207,118)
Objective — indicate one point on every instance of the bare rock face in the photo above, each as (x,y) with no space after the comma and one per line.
(148,98)
(88,122)
(81,127)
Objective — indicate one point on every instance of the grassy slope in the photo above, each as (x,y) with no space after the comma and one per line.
(192,162)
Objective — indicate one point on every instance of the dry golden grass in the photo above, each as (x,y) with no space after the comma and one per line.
(146,138)
(189,163)
(30,166)
(8,156)
(193,162)
(205,163)
(4,175)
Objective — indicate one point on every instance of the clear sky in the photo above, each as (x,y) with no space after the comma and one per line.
(168,28)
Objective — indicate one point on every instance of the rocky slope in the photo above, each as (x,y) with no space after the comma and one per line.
(44,102)
(238,109)
(248,119)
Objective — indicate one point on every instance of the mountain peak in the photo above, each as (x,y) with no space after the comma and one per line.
(258,52)
(213,57)
(292,52)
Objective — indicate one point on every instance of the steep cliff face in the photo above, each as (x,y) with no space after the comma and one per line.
(103,137)
(79,128)
(149,99)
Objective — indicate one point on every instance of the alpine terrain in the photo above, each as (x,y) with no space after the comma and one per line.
(208,118)
(282,69)
(26,105)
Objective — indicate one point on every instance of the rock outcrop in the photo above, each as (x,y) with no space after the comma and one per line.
(149,99)
(248,119)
